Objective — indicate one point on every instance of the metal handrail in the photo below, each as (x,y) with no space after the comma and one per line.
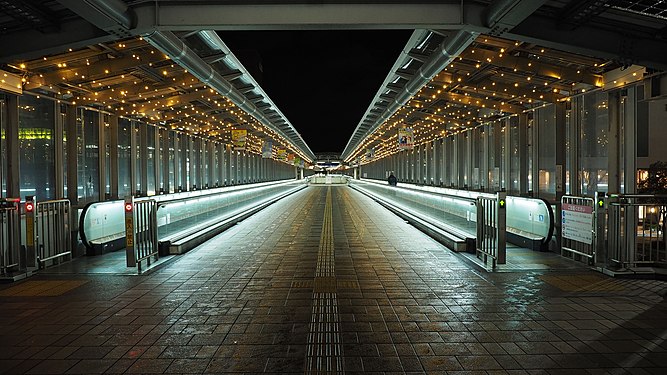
(491,241)
(438,193)
(636,231)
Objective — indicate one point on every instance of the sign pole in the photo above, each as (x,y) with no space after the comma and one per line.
(130,254)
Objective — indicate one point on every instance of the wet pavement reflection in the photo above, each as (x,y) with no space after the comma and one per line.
(243,302)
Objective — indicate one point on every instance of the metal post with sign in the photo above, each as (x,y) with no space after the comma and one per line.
(129,232)
(30,240)
(501,226)
(599,225)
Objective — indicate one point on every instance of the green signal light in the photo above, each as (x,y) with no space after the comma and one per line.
(600,203)
(501,203)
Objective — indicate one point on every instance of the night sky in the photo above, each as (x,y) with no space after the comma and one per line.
(323,81)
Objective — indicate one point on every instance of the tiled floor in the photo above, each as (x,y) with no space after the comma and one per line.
(243,302)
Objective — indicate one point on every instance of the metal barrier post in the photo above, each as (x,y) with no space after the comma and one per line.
(599,224)
(30,240)
(129,232)
(501,227)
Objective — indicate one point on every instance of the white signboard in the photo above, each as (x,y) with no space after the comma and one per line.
(578,222)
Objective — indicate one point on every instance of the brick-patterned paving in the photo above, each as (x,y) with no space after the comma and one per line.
(242,302)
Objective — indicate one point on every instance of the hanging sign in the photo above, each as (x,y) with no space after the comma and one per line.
(267,148)
(282,154)
(239,138)
(406,139)
(290,158)
(370,153)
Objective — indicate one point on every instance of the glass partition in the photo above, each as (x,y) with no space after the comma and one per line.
(546,121)
(172,168)
(150,159)
(124,157)
(37,148)
(106,126)
(513,184)
(138,168)
(3,148)
(594,117)
(88,129)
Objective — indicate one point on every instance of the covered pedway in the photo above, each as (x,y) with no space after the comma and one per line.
(159,213)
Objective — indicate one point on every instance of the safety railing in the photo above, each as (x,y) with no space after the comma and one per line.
(491,241)
(578,223)
(141,232)
(48,231)
(636,230)
(10,237)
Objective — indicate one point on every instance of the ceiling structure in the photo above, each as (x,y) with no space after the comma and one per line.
(542,41)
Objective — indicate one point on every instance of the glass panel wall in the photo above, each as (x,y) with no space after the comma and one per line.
(477,135)
(150,161)
(3,148)
(124,157)
(462,140)
(546,117)
(493,172)
(138,170)
(88,128)
(37,149)
(162,139)
(107,154)
(529,152)
(594,117)
(172,160)
(514,185)
(63,120)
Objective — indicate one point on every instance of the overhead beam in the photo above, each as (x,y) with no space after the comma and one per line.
(606,43)
(197,16)
(503,15)
(100,69)
(478,102)
(533,66)
(32,44)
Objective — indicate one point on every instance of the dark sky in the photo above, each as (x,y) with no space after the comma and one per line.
(323,81)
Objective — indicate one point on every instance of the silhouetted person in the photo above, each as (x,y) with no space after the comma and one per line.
(392,179)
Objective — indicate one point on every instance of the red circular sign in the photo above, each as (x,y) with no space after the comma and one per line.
(128,207)
(29,206)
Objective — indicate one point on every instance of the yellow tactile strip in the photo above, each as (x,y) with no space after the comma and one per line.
(324,352)
(340,284)
(41,288)
(583,283)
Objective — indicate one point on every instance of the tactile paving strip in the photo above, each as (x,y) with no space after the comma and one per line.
(324,353)
(583,283)
(34,288)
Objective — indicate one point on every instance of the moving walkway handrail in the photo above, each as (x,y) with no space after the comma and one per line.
(112,228)
(414,188)
(516,225)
